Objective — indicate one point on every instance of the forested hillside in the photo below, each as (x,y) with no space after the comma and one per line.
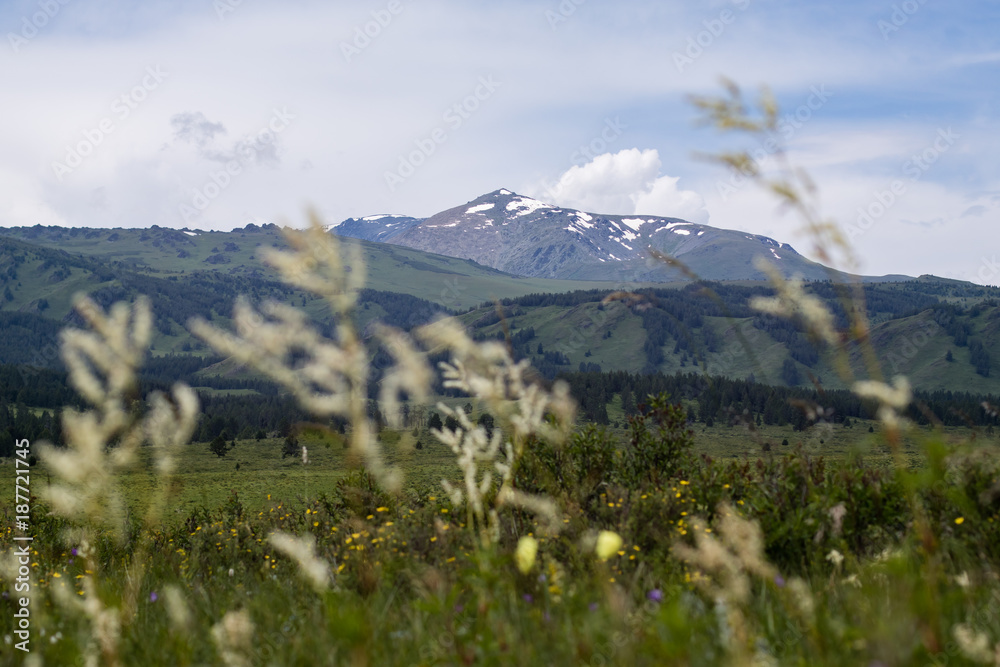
(944,336)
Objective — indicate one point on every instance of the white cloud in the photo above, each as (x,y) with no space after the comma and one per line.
(625,183)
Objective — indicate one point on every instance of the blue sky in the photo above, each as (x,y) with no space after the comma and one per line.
(215,114)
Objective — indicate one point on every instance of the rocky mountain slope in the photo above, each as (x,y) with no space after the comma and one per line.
(526,237)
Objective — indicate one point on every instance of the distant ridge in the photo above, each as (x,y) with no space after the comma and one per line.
(527,237)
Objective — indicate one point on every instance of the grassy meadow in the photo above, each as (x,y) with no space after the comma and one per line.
(411,584)
(256,471)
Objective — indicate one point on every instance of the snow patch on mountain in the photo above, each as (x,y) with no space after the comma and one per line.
(481,208)
(634,223)
(526,206)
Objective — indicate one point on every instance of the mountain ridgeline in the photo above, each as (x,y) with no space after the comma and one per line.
(526,237)
(532,274)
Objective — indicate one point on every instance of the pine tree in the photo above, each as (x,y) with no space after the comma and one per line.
(218,446)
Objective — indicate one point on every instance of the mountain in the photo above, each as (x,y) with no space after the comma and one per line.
(526,237)
(562,325)
(379,228)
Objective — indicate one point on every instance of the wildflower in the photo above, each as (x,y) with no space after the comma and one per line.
(802,597)
(960,520)
(779,581)
(835,557)
(233,636)
(656,595)
(527,597)
(527,548)
(793,301)
(892,399)
(608,544)
(974,645)
(301,550)
(837,513)
(153,597)
(897,396)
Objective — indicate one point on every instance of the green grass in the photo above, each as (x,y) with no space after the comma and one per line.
(412,588)
(206,480)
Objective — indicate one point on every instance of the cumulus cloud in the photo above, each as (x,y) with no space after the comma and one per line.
(625,183)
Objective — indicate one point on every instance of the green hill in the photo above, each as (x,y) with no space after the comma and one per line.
(157,251)
(560,325)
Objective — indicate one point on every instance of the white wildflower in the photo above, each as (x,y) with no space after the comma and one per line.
(974,645)
(177,609)
(487,372)
(793,301)
(898,396)
(891,399)
(328,376)
(102,364)
(410,374)
(233,637)
(802,597)
(303,551)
